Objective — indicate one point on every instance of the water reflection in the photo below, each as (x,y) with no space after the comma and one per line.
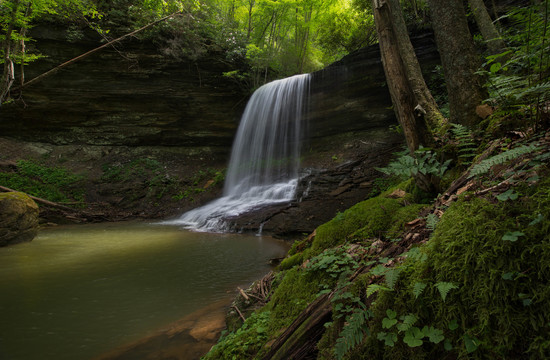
(75,292)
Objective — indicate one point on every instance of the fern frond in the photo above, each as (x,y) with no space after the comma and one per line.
(352,334)
(418,288)
(485,165)
(444,287)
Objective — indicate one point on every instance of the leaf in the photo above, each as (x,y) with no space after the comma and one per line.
(471,343)
(391,314)
(372,288)
(378,270)
(453,325)
(447,345)
(391,277)
(408,322)
(509,275)
(507,195)
(495,67)
(389,338)
(537,220)
(434,335)
(512,236)
(418,288)
(444,288)
(413,337)
(388,323)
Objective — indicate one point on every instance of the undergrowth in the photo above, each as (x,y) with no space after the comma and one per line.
(55,184)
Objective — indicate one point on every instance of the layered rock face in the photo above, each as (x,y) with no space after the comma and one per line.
(129,95)
(18,218)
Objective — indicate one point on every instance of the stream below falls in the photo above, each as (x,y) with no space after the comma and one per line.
(76,292)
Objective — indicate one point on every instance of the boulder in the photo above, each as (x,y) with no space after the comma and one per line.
(18,218)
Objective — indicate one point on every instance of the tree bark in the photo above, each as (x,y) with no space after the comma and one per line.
(459,60)
(488,30)
(415,77)
(403,97)
(8,74)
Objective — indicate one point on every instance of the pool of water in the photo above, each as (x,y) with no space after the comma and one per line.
(75,292)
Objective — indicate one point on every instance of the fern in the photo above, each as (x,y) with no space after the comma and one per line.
(352,334)
(444,288)
(391,277)
(418,288)
(372,288)
(485,165)
(466,146)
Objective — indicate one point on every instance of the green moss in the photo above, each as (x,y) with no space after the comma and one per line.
(376,217)
(297,289)
(502,296)
(291,261)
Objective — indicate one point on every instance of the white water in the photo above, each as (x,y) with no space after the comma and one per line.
(265,158)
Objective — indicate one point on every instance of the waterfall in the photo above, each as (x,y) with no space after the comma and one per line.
(265,158)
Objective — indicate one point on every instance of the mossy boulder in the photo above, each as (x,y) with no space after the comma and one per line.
(18,218)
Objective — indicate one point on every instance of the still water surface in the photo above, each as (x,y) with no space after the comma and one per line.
(75,292)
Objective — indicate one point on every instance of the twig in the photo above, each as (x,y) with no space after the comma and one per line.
(243,294)
(239,312)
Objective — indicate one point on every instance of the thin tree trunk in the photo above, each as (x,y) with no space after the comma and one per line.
(8,74)
(396,76)
(485,24)
(415,77)
(459,59)
(401,91)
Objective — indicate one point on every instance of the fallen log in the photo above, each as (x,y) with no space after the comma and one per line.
(42,201)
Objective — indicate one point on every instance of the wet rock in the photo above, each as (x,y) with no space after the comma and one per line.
(18,218)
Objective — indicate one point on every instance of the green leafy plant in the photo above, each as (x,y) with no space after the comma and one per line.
(353,332)
(466,145)
(423,162)
(444,288)
(485,165)
(52,183)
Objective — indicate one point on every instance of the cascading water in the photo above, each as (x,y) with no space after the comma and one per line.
(265,158)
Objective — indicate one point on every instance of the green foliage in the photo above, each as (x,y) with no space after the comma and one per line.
(444,287)
(424,162)
(245,342)
(50,183)
(352,334)
(485,165)
(334,262)
(466,146)
(519,75)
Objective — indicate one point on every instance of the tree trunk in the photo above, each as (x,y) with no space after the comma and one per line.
(8,74)
(459,59)
(396,77)
(488,30)
(421,92)
(401,91)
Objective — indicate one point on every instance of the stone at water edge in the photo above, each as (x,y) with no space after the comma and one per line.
(18,218)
